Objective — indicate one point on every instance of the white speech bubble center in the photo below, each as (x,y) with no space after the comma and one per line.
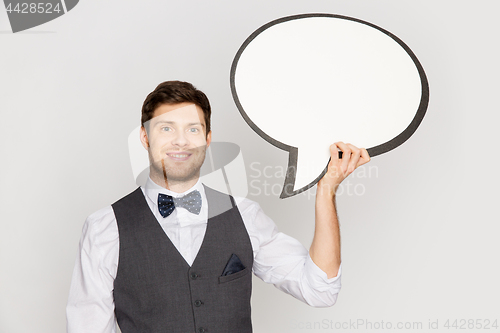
(306,82)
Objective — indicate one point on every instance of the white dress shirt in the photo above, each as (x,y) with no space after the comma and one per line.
(278,259)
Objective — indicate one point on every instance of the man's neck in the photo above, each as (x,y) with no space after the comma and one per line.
(174,186)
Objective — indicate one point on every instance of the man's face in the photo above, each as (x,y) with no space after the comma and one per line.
(176,142)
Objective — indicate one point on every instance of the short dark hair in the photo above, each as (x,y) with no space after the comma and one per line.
(173,92)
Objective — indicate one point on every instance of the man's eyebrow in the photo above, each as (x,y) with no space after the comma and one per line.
(197,123)
(173,122)
(165,122)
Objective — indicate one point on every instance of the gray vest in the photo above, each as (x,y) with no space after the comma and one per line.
(155,290)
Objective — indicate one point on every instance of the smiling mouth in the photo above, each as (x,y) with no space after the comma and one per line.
(179,157)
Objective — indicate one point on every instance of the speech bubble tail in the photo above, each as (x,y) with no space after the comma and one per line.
(302,173)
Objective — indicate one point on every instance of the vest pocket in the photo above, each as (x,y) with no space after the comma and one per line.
(230,277)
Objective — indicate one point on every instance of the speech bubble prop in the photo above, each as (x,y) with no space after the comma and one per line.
(306,81)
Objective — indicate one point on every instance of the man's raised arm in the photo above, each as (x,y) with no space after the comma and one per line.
(325,248)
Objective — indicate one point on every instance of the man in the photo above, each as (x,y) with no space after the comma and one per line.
(176,256)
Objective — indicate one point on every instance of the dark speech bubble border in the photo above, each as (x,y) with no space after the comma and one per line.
(293,151)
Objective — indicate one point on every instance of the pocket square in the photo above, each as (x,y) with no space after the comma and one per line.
(233,265)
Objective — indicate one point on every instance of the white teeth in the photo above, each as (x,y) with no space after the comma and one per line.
(178,156)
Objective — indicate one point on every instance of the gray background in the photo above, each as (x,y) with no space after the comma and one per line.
(420,243)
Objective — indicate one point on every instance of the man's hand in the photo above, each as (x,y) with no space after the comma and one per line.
(325,248)
(339,169)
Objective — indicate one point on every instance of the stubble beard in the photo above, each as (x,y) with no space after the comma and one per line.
(172,172)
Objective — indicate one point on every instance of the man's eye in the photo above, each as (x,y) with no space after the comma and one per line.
(193,130)
(166,129)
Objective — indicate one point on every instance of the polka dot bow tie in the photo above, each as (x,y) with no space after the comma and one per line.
(191,201)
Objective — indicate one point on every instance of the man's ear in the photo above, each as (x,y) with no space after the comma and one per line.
(144,138)
(209,138)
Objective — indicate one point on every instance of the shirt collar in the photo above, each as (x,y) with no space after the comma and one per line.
(152,190)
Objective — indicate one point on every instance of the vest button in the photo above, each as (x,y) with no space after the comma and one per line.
(202,330)
(194,276)
(198,302)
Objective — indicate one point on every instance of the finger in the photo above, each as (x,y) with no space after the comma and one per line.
(346,155)
(355,156)
(334,153)
(365,158)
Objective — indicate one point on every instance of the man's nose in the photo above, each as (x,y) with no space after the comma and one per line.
(180,139)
